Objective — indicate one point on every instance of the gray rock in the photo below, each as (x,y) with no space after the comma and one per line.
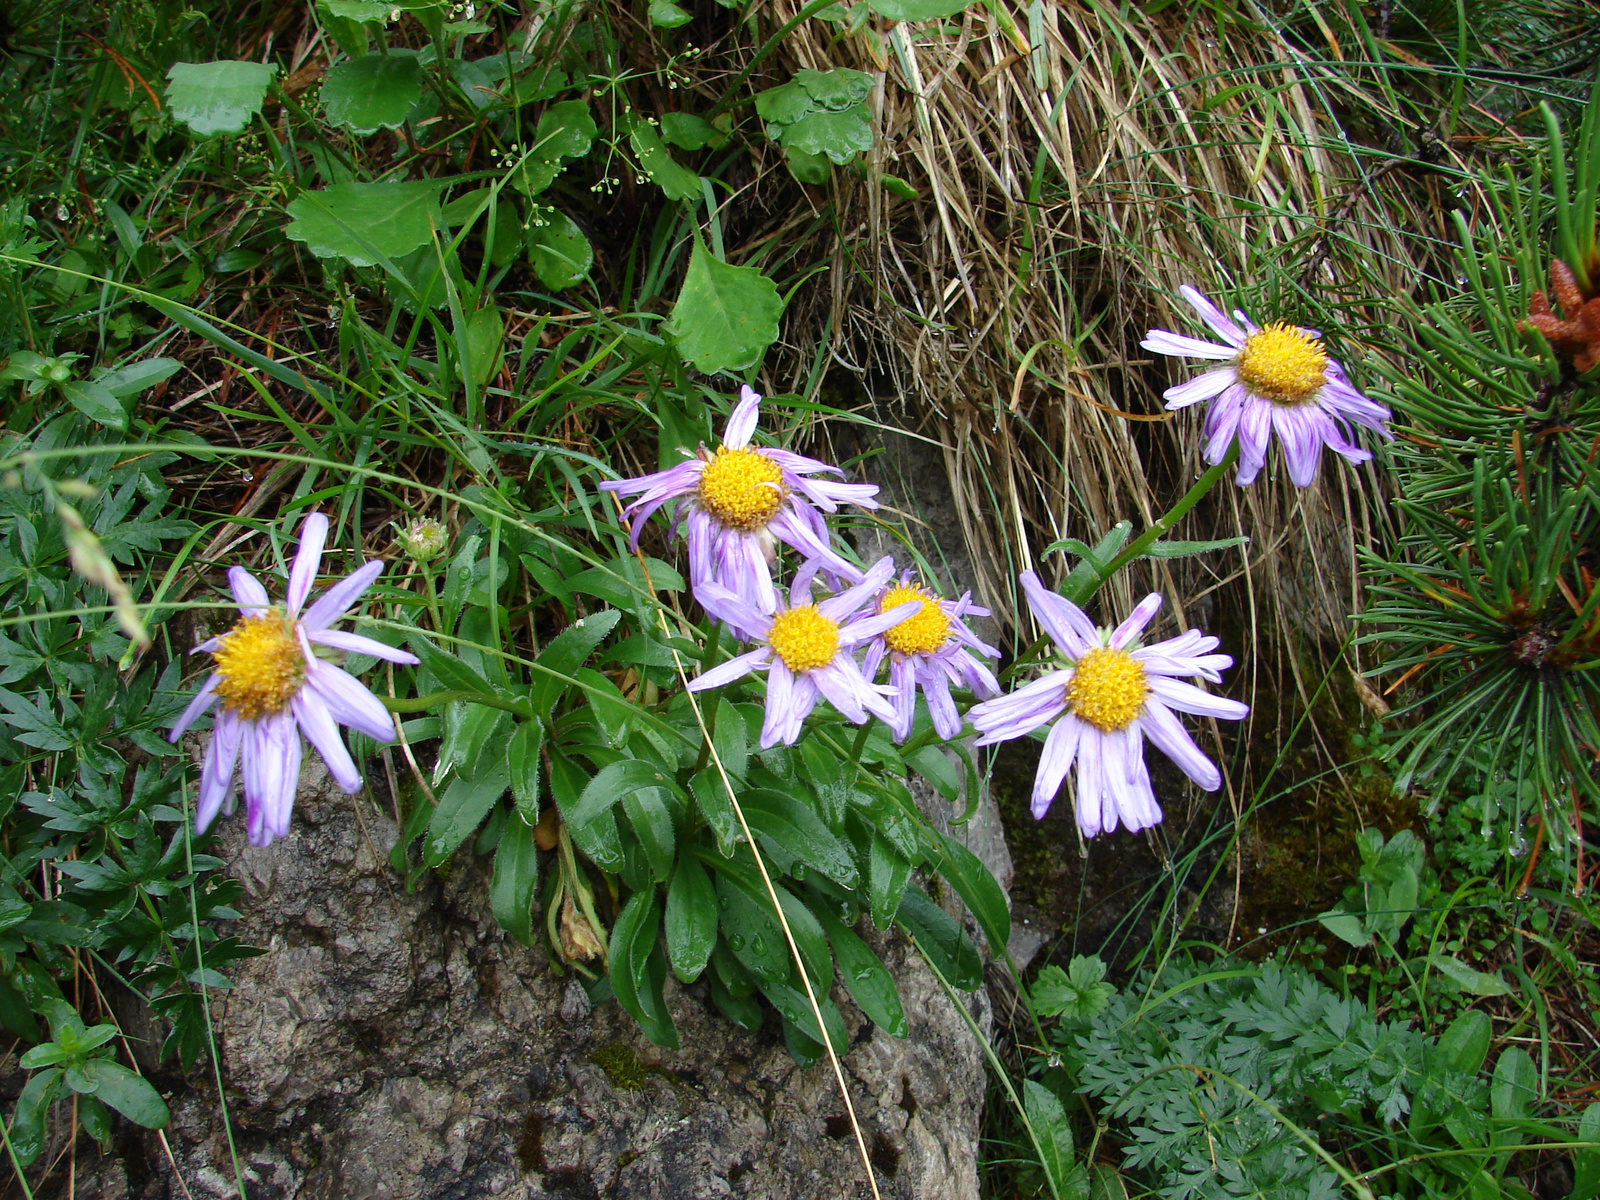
(400,1046)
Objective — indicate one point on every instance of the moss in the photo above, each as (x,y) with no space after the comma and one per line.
(621,1065)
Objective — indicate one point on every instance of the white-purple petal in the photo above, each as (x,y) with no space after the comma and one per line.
(355,643)
(735,668)
(741,425)
(1060,749)
(1067,624)
(203,699)
(1136,621)
(349,702)
(317,724)
(837,608)
(858,630)
(1212,315)
(1162,341)
(216,775)
(303,572)
(1201,387)
(1022,711)
(332,605)
(247,592)
(1167,734)
(1185,697)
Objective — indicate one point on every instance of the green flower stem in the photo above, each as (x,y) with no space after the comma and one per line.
(709,717)
(433,699)
(1137,547)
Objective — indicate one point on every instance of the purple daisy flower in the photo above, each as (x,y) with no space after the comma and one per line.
(739,499)
(273,687)
(931,650)
(1112,695)
(1278,378)
(806,652)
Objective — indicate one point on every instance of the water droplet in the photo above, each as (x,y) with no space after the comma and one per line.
(758,945)
(736,943)
(724,902)
(864,975)
(799,872)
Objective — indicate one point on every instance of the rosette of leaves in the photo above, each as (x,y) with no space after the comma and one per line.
(819,117)
(1487,607)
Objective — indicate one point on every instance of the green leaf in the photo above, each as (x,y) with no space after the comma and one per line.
(939,937)
(133,378)
(837,89)
(751,930)
(217,97)
(796,1010)
(33,1106)
(97,402)
(934,765)
(360,10)
(599,838)
(362,222)
(725,316)
(1586,1161)
(917,10)
(485,331)
(676,180)
(808,168)
(1346,926)
(566,130)
(1186,549)
(1079,994)
(888,872)
(461,808)
(785,104)
(611,785)
(840,136)
(691,921)
(474,740)
(376,91)
(789,822)
(522,761)
(558,251)
(689,132)
(1465,1044)
(516,879)
(868,980)
(711,798)
(668,15)
(565,653)
(977,887)
(127,1092)
(652,824)
(1514,1089)
(744,1011)
(1053,1133)
(449,670)
(638,970)
(1479,983)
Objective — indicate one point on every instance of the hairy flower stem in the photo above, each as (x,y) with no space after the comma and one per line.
(1163,524)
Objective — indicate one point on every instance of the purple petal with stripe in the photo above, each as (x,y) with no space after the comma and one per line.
(332,605)
(203,699)
(354,643)
(216,776)
(1060,750)
(1136,621)
(1067,624)
(1212,315)
(741,426)
(1185,697)
(247,592)
(348,702)
(303,573)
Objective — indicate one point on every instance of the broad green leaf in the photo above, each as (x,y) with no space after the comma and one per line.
(217,97)
(789,822)
(598,838)
(837,89)
(474,741)
(731,739)
(485,331)
(461,810)
(1514,1089)
(750,929)
(941,939)
(360,222)
(796,1009)
(623,581)
(1346,926)
(868,980)
(515,885)
(976,886)
(1586,1161)
(689,132)
(785,104)
(1053,1133)
(668,15)
(711,798)
(133,378)
(725,316)
(360,10)
(1079,995)
(127,1092)
(33,1106)
(611,785)
(1465,1044)
(1186,549)
(917,10)
(638,970)
(647,813)
(808,168)
(558,251)
(1479,983)
(838,135)
(744,1011)
(676,180)
(522,761)
(565,653)
(97,402)
(887,873)
(566,130)
(691,921)
(449,670)
(376,91)
(934,765)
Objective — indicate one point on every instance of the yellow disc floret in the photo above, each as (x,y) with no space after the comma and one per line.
(803,638)
(1283,363)
(925,630)
(260,665)
(1108,689)
(741,488)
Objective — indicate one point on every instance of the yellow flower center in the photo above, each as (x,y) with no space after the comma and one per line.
(1283,363)
(1108,689)
(260,665)
(741,488)
(925,631)
(804,638)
